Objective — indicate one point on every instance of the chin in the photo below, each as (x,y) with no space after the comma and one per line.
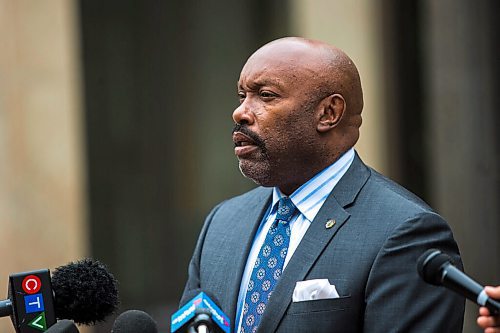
(257,172)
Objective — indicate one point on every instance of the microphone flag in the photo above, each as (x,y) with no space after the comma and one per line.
(186,313)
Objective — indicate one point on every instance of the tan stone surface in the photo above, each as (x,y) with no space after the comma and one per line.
(353,26)
(42,210)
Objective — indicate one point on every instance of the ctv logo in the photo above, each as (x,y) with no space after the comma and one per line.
(33,302)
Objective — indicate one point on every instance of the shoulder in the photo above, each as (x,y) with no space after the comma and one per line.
(386,206)
(363,189)
(387,192)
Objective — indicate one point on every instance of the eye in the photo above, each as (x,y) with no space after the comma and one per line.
(266,94)
(241,95)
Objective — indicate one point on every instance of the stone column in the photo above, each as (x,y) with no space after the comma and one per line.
(463,131)
(354,27)
(42,204)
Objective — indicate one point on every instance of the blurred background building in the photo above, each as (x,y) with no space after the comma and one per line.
(115,122)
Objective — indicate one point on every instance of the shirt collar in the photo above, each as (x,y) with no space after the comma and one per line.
(309,197)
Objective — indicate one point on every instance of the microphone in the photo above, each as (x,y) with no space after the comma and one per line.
(436,268)
(83,291)
(134,321)
(63,326)
(201,315)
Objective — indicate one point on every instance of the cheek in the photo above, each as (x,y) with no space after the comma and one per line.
(287,128)
(287,139)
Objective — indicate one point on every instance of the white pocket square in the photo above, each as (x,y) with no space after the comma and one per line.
(314,289)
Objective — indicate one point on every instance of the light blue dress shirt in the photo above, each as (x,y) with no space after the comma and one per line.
(308,199)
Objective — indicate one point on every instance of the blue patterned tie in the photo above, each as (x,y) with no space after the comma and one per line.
(268,267)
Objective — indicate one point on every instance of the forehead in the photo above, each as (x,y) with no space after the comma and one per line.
(280,66)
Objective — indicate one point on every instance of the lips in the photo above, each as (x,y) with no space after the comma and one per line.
(241,140)
(243,144)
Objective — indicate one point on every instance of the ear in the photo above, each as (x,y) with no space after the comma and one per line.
(331,112)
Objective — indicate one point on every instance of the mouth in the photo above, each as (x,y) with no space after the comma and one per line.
(241,140)
(243,144)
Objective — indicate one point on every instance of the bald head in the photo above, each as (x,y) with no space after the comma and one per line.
(326,66)
(300,110)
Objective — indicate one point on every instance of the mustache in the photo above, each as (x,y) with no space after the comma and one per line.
(244,129)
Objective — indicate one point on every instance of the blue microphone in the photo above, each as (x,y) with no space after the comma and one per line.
(200,314)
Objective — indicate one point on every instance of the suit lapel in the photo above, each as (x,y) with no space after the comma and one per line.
(249,218)
(317,237)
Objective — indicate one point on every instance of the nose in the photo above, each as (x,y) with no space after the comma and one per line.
(242,114)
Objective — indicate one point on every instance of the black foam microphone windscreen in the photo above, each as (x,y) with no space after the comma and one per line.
(84,291)
(134,321)
(63,326)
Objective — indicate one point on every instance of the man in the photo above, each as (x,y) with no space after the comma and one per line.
(326,244)
(491,324)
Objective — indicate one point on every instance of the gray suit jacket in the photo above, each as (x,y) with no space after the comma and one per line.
(369,254)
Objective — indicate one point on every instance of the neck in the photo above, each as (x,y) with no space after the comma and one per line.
(296,181)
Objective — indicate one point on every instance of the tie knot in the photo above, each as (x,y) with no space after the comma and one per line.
(286,209)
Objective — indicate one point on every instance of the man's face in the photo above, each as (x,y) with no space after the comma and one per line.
(275,135)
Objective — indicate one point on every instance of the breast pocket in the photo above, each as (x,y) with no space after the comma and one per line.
(319,305)
(336,315)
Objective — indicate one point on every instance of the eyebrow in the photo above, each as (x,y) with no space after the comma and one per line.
(263,82)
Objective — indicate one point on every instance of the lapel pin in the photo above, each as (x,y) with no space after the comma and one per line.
(329,224)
